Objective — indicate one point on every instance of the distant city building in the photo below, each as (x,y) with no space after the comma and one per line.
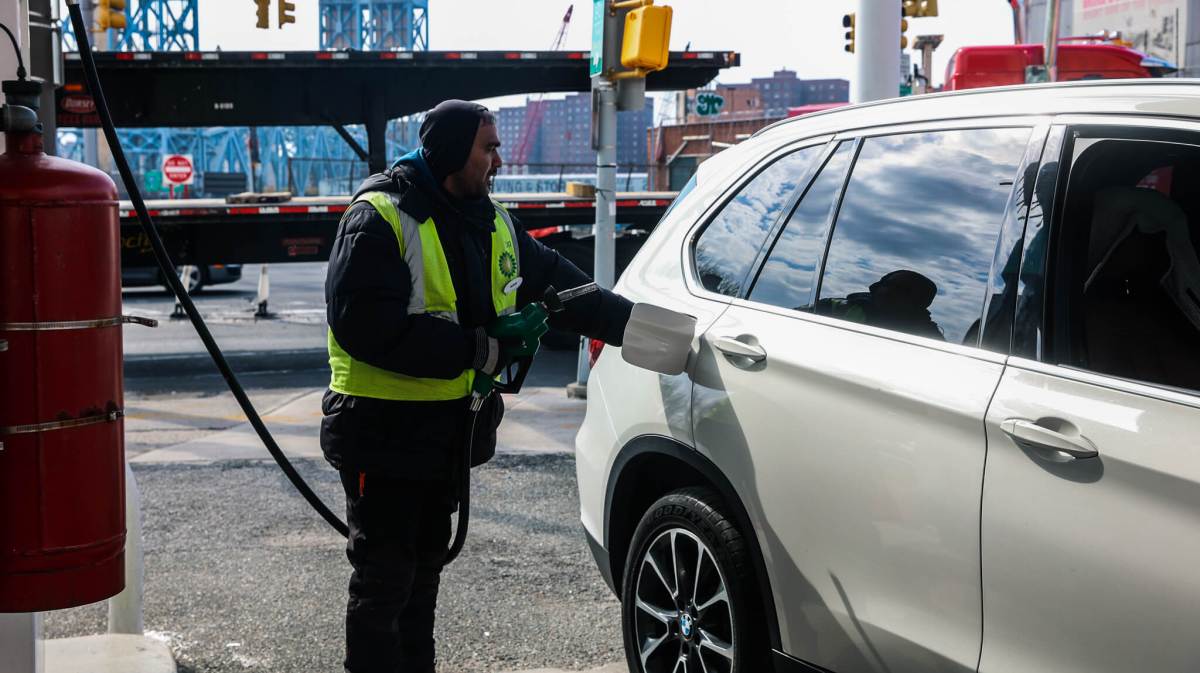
(674,151)
(772,96)
(563,138)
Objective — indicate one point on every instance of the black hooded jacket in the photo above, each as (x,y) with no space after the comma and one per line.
(366,294)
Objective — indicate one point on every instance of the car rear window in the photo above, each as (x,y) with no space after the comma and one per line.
(727,247)
(913,241)
(789,275)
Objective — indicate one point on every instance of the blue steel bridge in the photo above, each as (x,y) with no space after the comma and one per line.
(307,160)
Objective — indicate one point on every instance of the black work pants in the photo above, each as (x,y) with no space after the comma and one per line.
(399,532)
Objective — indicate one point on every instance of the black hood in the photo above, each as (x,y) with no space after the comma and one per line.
(422,197)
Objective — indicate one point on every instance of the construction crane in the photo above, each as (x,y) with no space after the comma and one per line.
(534,109)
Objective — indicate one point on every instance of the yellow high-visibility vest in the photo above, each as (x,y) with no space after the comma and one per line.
(432,294)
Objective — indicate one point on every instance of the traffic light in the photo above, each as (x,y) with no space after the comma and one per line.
(264,6)
(903,30)
(848,24)
(647,36)
(285,12)
(919,8)
(111,14)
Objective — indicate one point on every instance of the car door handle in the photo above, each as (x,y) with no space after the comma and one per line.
(1041,437)
(738,348)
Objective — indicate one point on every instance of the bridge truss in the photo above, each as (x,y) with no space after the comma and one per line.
(307,160)
(375,25)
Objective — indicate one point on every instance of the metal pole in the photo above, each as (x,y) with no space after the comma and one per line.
(604,232)
(45,52)
(1052,19)
(927,67)
(91,137)
(1018,7)
(21,642)
(125,609)
(606,187)
(877,55)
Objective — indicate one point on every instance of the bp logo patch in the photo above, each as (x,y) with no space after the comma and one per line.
(508,265)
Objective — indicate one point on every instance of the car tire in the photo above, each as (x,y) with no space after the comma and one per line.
(195,281)
(684,556)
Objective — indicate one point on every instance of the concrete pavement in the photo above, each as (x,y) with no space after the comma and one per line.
(123,653)
(108,653)
(539,420)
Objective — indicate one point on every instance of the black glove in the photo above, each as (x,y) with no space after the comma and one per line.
(492,355)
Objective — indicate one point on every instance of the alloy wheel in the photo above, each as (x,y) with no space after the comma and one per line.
(683,620)
(192,278)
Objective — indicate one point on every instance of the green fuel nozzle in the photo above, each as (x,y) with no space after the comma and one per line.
(527,327)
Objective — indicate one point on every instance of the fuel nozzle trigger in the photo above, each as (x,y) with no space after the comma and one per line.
(536,312)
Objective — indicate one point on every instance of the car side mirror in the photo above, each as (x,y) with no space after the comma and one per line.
(658,339)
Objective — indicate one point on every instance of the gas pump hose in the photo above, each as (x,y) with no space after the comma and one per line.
(168,272)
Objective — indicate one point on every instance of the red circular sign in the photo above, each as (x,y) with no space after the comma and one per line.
(177,169)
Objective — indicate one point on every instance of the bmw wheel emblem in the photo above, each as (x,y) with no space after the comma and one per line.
(685,626)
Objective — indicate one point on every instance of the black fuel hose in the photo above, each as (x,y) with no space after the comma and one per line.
(464,493)
(168,271)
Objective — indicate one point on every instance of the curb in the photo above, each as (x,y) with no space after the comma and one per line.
(108,653)
(191,364)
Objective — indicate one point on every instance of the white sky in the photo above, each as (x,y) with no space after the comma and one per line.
(802,35)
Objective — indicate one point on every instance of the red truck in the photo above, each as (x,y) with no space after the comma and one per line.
(1001,65)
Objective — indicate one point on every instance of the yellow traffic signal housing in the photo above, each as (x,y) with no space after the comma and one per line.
(919,8)
(262,12)
(111,14)
(903,30)
(285,12)
(848,23)
(645,44)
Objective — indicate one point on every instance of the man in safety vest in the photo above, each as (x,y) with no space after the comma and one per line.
(424,262)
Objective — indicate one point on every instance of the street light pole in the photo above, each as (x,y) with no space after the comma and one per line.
(1052,21)
(877,51)
(606,186)
(605,230)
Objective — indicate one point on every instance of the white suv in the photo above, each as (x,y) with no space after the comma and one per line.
(942,408)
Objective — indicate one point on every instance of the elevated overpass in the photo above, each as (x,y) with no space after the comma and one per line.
(334,88)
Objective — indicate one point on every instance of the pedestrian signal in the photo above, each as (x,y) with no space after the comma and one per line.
(647,37)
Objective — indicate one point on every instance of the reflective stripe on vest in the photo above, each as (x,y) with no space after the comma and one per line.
(433,294)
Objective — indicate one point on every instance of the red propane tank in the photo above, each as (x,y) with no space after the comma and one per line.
(62,483)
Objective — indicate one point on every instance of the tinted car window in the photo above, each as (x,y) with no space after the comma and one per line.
(790,272)
(917,229)
(731,241)
(1126,296)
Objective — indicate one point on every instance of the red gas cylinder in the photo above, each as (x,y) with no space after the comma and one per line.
(62,485)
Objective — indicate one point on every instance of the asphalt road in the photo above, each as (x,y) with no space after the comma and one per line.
(242,576)
(297,302)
